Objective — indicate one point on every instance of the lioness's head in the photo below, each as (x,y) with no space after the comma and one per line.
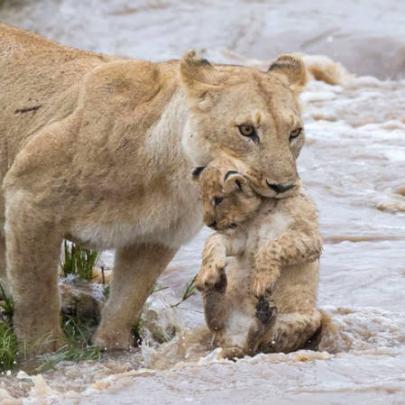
(228,199)
(249,116)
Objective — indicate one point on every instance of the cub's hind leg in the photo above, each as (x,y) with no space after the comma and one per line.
(216,306)
(291,332)
(262,325)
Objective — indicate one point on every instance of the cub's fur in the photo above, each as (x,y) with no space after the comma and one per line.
(98,150)
(259,273)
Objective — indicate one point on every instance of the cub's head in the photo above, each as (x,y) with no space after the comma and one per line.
(228,199)
(249,116)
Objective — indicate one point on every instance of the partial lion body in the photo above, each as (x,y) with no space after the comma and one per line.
(100,150)
(65,163)
(273,254)
(294,296)
(45,125)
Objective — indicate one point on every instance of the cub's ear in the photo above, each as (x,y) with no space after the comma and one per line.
(292,67)
(198,75)
(234,181)
(197,171)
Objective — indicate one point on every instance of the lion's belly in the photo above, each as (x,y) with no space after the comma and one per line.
(171,224)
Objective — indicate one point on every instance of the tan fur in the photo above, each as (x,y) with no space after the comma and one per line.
(270,253)
(99,150)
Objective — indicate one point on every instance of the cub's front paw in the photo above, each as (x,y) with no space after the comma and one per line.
(212,277)
(264,283)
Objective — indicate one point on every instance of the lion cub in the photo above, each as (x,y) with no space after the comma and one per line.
(260,269)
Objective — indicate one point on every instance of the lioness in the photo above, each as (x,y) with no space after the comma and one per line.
(98,150)
(266,299)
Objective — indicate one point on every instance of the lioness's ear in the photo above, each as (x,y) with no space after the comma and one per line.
(198,75)
(233,181)
(293,68)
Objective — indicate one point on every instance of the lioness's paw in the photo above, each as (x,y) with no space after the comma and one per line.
(47,345)
(113,340)
(32,342)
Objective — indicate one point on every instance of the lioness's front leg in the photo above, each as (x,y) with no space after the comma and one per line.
(33,249)
(135,271)
(291,248)
(3,275)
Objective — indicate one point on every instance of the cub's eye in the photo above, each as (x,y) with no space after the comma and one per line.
(249,131)
(295,133)
(218,200)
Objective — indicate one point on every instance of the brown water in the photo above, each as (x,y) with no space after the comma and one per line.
(353,166)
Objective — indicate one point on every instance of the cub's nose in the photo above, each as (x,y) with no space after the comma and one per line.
(280,188)
(213,225)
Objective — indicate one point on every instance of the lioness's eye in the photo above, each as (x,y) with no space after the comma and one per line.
(249,131)
(218,200)
(295,133)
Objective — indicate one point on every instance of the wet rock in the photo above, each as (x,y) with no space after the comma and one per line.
(81,298)
(326,70)
(159,320)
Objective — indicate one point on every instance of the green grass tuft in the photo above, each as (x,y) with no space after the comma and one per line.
(8,340)
(6,307)
(8,347)
(78,332)
(78,261)
(188,292)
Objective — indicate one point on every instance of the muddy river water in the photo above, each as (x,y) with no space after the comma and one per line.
(353,165)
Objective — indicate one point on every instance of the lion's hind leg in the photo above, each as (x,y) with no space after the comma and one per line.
(292,332)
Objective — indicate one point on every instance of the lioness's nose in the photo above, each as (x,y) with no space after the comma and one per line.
(281,188)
